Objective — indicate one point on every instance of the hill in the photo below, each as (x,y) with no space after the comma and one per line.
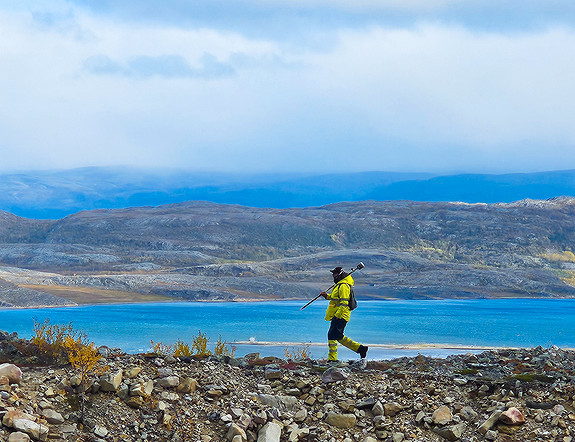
(207,251)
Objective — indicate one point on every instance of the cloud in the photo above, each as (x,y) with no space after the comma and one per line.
(169,66)
(399,85)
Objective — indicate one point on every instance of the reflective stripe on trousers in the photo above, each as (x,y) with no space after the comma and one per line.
(346,342)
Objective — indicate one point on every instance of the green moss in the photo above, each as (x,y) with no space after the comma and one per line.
(467,371)
(532,377)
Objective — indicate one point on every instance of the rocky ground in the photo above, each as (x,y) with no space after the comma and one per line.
(511,395)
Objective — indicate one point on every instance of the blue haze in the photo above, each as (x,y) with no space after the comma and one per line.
(498,323)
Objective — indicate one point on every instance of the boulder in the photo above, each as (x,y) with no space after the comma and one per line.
(442,415)
(135,401)
(132,372)
(341,420)
(234,431)
(187,385)
(451,433)
(111,381)
(12,372)
(53,417)
(391,408)
(468,413)
(489,423)
(334,374)
(272,373)
(18,436)
(168,382)
(33,429)
(512,416)
(143,389)
(270,432)
(281,402)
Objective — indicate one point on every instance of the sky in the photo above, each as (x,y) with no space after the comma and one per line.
(439,86)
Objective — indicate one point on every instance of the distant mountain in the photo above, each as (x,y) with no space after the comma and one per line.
(55,194)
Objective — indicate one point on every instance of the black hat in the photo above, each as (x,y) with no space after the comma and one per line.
(337,270)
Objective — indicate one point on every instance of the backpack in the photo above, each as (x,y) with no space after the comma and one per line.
(352,303)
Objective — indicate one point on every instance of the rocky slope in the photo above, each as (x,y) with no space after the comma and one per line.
(511,395)
(205,251)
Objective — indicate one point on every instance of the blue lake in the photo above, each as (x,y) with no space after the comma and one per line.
(486,323)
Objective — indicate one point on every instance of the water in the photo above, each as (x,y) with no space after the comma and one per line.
(464,323)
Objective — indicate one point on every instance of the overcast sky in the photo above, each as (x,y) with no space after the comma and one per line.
(288,85)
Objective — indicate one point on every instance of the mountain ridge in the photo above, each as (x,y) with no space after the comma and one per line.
(55,194)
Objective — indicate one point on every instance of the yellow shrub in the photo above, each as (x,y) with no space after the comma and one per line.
(50,339)
(299,353)
(223,349)
(182,349)
(162,349)
(84,357)
(200,345)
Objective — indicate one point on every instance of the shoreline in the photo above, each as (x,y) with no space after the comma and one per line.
(418,346)
(258,300)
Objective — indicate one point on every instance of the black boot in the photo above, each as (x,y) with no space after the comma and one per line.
(362,350)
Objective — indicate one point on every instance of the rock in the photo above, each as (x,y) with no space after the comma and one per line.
(397,437)
(377,409)
(442,415)
(169,396)
(300,415)
(123,392)
(270,432)
(18,436)
(469,414)
(491,435)
(347,405)
(334,374)
(451,433)
(512,416)
(12,372)
(187,385)
(142,389)
(379,422)
(235,431)
(391,408)
(489,423)
(272,373)
(111,381)
(168,382)
(365,404)
(100,431)
(53,417)
(132,372)
(539,405)
(283,402)
(134,401)
(341,420)
(24,422)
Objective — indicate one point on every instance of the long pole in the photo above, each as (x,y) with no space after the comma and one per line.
(359,267)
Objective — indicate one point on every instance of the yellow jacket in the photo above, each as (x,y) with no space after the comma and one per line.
(339,299)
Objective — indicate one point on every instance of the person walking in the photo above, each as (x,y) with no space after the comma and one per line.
(338,313)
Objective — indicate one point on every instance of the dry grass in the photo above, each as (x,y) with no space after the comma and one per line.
(91,295)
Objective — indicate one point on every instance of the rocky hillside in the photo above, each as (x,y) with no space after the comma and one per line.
(206,251)
(507,395)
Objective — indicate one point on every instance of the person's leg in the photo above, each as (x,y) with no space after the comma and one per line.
(352,345)
(334,334)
